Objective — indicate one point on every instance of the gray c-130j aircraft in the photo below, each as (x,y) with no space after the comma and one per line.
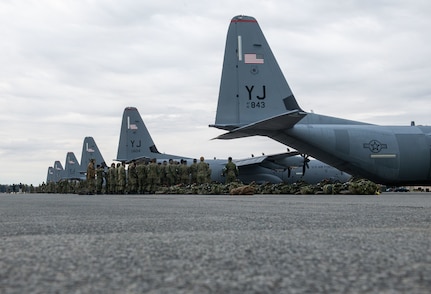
(255,99)
(136,143)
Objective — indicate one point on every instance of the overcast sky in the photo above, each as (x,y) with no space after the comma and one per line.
(69,68)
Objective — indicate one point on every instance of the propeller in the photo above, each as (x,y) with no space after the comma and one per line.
(305,163)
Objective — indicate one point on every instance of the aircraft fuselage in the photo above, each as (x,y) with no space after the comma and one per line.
(398,155)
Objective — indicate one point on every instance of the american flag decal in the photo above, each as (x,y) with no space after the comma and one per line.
(253,58)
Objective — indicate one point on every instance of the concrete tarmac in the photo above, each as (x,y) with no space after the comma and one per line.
(215,244)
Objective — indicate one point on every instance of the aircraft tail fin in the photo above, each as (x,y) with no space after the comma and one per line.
(252,87)
(72,168)
(50,175)
(58,171)
(91,151)
(135,140)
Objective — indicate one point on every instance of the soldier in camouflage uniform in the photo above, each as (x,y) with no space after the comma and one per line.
(208,173)
(91,177)
(106,177)
(184,172)
(203,171)
(111,179)
(153,176)
(194,172)
(230,171)
(122,178)
(99,179)
(117,168)
(164,174)
(141,170)
(178,173)
(172,173)
(132,176)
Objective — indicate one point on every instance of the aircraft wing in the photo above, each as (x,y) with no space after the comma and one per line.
(266,126)
(250,161)
(274,161)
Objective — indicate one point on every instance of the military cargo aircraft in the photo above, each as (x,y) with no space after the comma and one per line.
(255,99)
(136,143)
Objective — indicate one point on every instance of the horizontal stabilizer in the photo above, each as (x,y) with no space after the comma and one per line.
(265,127)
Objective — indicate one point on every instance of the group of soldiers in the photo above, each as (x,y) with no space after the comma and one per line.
(146,177)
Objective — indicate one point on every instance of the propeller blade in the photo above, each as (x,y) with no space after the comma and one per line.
(305,164)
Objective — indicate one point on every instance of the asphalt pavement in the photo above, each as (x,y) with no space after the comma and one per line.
(52,243)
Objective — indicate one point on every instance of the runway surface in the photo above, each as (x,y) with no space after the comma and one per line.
(215,244)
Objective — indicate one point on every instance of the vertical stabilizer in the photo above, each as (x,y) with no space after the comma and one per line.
(91,151)
(72,168)
(58,171)
(50,175)
(135,140)
(252,85)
